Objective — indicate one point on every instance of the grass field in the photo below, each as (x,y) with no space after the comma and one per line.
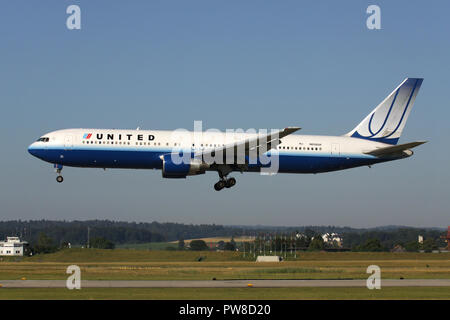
(123,264)
(228,293)
(126,264)
(149,246)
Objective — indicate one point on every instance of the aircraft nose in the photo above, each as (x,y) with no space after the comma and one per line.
(32,149)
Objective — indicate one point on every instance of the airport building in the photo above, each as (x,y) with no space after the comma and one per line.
(12,247)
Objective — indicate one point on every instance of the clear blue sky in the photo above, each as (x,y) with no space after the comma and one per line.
(232,64)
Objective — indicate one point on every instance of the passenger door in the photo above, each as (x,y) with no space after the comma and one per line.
(68,143)
(335,149)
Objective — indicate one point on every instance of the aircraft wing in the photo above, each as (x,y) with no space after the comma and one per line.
(245,147)
(379,152)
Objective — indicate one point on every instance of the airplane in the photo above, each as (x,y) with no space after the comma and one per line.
(372,141)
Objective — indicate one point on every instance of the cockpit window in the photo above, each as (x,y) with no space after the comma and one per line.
(43,139)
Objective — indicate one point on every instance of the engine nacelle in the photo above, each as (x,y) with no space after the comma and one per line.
(182,170)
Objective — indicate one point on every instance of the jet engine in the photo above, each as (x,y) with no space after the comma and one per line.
(180,168)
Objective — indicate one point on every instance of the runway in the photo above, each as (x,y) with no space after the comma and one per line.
(222,283)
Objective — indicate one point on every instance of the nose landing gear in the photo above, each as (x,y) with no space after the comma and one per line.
(58,169)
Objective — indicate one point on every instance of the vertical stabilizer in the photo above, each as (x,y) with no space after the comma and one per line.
(386,122)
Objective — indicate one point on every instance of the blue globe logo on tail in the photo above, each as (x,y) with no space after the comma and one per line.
(386,122)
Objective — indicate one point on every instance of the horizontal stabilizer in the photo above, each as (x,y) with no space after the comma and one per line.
(394,149)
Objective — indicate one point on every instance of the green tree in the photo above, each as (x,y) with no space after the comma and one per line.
(101,243)
(220,245)
(233,243)
(412,246)
(302,241)
(371,245)
(231,246)
(317,243)
(64,245)
(198,245)
(45,244)
(429,245)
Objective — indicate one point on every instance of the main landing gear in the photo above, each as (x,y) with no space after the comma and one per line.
(224,182)
(58,169)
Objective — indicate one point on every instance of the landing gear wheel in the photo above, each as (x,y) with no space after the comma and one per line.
(223,171)
(219,185)
(59,179)
(230,182)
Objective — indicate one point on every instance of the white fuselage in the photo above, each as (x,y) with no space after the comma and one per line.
(142,149)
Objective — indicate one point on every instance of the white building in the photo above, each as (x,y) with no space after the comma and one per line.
(332,238)
(12,247)
(420,239)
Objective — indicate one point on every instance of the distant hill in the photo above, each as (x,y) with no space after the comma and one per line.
(76,232)
(120,232)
